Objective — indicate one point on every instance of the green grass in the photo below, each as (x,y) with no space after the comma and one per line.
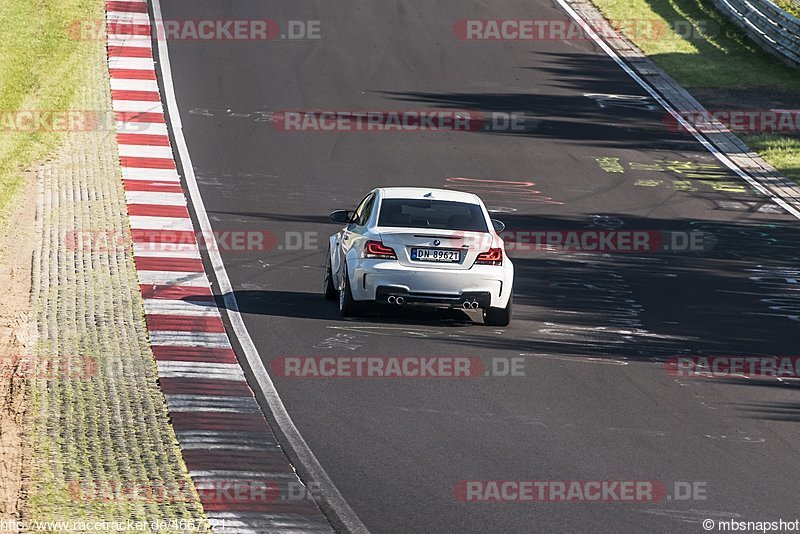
(39,60)
(781,151)
(717,55)
(790,6)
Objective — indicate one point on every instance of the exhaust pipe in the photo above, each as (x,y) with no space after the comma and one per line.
(391,299)
(474,304)
(465,305)
(399,300)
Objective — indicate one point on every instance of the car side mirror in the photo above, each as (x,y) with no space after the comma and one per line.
(499,226)
(342,216)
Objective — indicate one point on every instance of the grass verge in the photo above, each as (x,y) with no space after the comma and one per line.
(39,70)
(704,52)
(790,6)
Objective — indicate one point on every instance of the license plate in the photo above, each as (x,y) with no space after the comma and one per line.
(435,254)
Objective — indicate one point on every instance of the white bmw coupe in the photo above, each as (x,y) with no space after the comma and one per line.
(407,246)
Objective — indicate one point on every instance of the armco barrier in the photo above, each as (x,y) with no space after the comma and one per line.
(768,25)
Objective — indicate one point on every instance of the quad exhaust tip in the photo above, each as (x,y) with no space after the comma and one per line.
(395,300)
(470,305)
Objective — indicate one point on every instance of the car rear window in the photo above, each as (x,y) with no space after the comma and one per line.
(438,214)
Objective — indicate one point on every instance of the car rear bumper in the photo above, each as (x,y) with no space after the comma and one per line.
(486,285)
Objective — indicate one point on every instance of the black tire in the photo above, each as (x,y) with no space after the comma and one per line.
(330,291)
(498,316)
(349,307)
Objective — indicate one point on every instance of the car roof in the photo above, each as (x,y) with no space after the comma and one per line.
(428,193)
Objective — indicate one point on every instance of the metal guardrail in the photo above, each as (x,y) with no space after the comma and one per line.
(773,28)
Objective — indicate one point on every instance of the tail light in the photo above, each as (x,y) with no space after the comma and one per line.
(376,249)
(493,257)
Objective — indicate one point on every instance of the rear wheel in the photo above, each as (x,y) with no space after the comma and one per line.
(498,316)
(349,307)
(329,290)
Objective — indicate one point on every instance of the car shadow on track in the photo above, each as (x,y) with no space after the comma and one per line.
(301,305)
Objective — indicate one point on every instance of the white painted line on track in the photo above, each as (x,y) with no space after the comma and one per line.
(723,158)
(332,498)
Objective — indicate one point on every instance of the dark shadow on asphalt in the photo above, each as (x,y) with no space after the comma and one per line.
(281,217)
(303,305)
(773,411)
(741,297)
(622,123)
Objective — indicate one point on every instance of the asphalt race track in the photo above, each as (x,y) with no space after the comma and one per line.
(596,402)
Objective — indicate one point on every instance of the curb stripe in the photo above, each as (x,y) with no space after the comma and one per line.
(142,139)
(177,292)
(133,85)
(127,7)
(143,128)
(157,210)
(146,222)
(182,386)
(216,421)
(120,30)
(184,323)
(147,96)
(195,354)
(133,74)
(144,185)
(164,236)
(178,265)
(162,199)
(139,116)
(194,339)
(147,163)
(130,51)
(135,64)
(145,151)
(185,308)
(220,426)
(193,279)
(137,106)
